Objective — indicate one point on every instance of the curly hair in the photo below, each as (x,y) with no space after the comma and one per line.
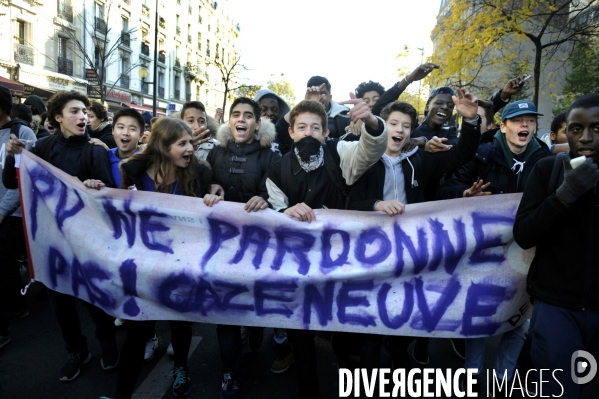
(311,106)
(365,87)
(99,110)
(58,101)
(165,132)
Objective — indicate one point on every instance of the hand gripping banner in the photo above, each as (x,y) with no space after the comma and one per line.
(442,269)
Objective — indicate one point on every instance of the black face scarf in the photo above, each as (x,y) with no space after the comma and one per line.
(309,153)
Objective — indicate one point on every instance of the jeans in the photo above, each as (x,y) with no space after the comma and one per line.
(12,244)
(305,363)
(508,351)
(68,320)
(229,342)
(556,334)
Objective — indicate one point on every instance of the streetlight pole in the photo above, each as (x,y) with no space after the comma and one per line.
(154,89)
(420,82)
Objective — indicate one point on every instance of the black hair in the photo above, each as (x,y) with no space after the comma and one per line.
(133,113)
(488,107)
(44,116)
(365,87)
(317,81)
(99,110)
(194,105)
(404,108)
(435,93)
(557,122)
(22,112)
(252,103)
(587,101)
(58,101)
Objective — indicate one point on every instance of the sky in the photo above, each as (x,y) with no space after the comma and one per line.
(347,42)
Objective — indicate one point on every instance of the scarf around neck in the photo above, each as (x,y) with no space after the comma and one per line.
(515,165)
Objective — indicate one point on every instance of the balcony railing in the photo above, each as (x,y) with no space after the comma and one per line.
(101,26)
(145,11)
(162,57)
(23,54)
(145,88)
(178,30)
(65,66)
(65,11)
(161,92)
(145,49)
(125,39)
(124,81)
(199,46)
(177,94)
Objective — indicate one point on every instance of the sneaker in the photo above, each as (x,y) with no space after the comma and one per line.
(256,337)
(18,315)
(151,346)
(110,355)
(181,383)
(420,351)
(458,347)
(71,370)
(245,334)
(229,388)
(4,340)
(285,360)
(170,349)
(118,322)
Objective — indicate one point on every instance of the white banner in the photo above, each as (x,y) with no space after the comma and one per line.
(442,269)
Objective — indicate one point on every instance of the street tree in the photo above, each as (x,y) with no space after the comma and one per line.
(231,71)
(474,36)
(284,89)
(248,91)
(107,48)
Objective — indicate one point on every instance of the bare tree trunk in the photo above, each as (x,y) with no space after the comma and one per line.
(537,73)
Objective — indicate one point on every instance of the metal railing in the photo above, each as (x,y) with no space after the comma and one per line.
(177,63)
(126,39)
(65,11)
(125,81)
(145,11)
(145,49)
(23,54)
(101,26)
(65,66)
(162,57)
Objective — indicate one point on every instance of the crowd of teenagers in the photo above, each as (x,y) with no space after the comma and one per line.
(377,156)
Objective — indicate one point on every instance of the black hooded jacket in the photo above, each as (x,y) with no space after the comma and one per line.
(104,135)
(37,103)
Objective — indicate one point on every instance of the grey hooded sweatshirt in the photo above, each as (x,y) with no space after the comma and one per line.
(394,188)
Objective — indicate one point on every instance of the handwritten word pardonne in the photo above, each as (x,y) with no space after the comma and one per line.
(444,269)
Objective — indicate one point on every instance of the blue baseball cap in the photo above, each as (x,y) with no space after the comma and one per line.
(518,108)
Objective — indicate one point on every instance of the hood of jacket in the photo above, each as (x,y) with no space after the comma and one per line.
(265,134)
(283,106)
(212,124)
(336,109)
(37,103)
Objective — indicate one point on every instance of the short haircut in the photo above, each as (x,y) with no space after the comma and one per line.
(58,101)
(557,122)
(133,113)
(404,108)
(365,87)
(488,107)
(435,93)
(192,104)
(22,112)
(587,101)
(99,110)
(252,103)
(311,106)
(317,81)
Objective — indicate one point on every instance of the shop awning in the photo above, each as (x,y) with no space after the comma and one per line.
(16,88)
(141,108)
(44,94)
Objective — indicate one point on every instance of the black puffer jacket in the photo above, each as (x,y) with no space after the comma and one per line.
(241,169)
(490,165)
(565,269)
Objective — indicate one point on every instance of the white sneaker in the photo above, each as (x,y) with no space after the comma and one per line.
(170,350)
(151,346)
(118,322)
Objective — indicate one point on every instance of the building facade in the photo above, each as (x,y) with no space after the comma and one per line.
(99,47)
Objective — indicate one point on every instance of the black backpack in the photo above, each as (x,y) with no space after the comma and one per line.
(44,145)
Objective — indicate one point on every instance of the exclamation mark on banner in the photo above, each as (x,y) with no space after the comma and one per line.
(128,272)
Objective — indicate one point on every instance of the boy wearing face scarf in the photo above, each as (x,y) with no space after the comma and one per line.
(300,182)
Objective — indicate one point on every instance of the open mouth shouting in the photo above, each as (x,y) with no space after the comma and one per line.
(587,152)
(82,126)
(241,130)
(523,136)
(397,139)
(187,158)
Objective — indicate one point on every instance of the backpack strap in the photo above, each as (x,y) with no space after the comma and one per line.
(556,172)
(87,160)
(44,146)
